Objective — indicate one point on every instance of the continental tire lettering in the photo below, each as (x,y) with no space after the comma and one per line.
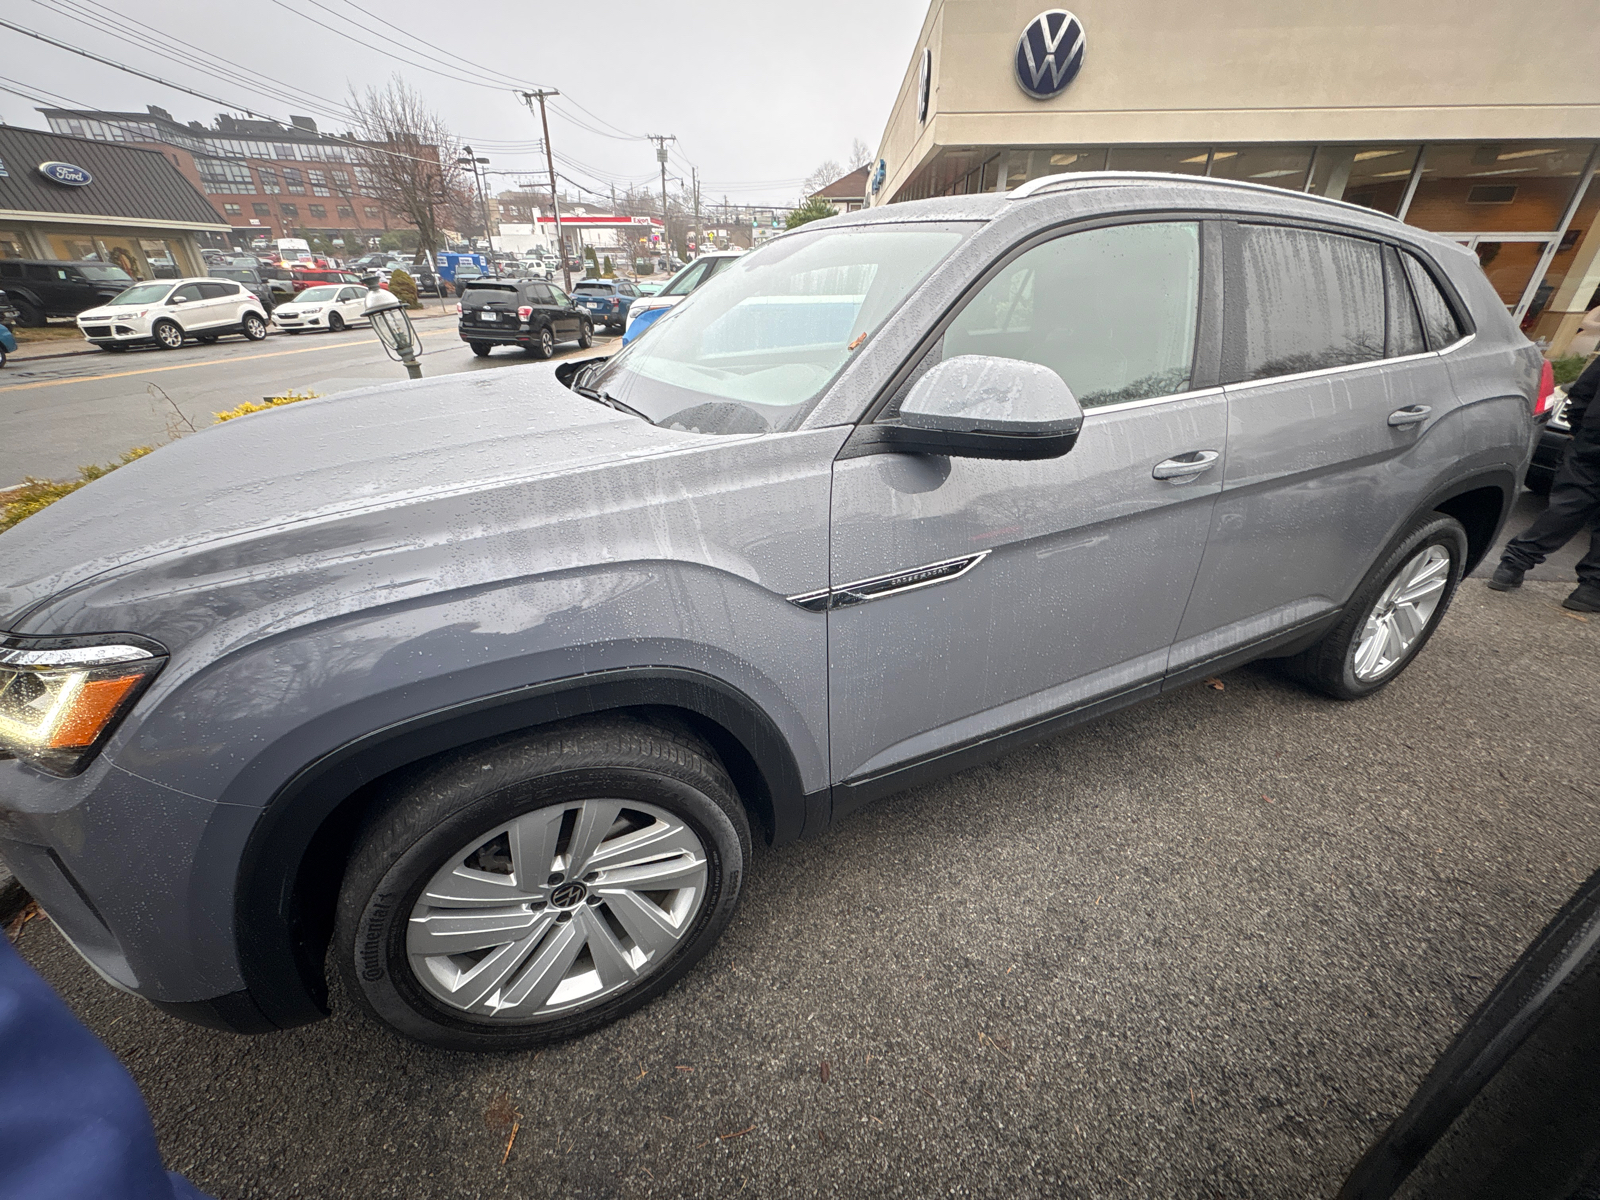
(372,937)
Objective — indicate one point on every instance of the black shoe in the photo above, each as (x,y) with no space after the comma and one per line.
(1505,578)
(1585,599)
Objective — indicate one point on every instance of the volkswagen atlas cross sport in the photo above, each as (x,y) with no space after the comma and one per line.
(473,689)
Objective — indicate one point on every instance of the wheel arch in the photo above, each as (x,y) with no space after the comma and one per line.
(294,860)
(1481,503)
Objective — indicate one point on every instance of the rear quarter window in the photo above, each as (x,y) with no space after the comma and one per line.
(1439,319)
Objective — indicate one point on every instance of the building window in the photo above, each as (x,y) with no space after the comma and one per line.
(283,152)
(319,182)
(261,210)
(219,175)
(372,213)
(269,181)
(346,213)
(319,211)
(291,212)
(294,181)
(232,210)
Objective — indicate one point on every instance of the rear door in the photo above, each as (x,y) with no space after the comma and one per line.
(352,304)
(221,303)
(564,316)
(1008,593)
(1334,435)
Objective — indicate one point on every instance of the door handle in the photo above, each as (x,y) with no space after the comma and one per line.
(1414,415)
(1186,466)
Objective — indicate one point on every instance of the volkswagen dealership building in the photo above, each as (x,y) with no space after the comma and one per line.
(1478,119)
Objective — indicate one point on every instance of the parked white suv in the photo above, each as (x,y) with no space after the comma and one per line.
(164,312)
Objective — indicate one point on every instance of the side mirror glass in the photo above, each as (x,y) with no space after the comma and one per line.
(178,300)
(975,406)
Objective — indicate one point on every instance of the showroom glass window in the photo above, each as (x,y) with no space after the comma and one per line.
(1112,311)
(1300,300)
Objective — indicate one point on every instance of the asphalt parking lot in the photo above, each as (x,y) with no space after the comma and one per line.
(1205,947)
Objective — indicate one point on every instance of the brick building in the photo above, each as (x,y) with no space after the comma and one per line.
(265,180)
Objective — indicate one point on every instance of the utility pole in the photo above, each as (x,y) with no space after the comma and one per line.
(699,233)
(661,140)
(555,204)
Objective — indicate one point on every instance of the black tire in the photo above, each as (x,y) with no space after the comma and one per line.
(544,344)
(466,794)
(29,316)
(585,335)
(253,327)
(481,349)
(2,358)
(335,323)
(1329,666)
(168,335)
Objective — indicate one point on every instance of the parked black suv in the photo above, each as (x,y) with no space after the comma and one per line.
(252,280)
(520,312)
(42,288)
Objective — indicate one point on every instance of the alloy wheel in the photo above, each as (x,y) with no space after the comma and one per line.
(169,335)
(558,909)
(1402,613)
(547,343)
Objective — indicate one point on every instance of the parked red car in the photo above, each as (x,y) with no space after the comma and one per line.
(304,277)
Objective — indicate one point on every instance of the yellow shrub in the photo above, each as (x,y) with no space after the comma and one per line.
(37,494)
(250,406)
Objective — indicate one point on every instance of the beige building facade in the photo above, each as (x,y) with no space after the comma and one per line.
(1477,119)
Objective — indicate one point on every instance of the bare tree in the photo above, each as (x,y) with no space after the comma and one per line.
(860,154)
(407,157)
(820,178)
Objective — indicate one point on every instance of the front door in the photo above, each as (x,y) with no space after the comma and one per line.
(186,306)
(1029,589)
(1334,409)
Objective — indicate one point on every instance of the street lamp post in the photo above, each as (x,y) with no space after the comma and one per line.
(392,324)
(468,159)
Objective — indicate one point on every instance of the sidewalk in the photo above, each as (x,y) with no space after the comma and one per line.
(67,347)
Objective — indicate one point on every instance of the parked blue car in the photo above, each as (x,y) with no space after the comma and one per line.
(8,318)
(606,300)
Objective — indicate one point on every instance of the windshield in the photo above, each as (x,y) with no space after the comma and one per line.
(105,274)
(314,295)
(686,280)
(144,293)
(763,338)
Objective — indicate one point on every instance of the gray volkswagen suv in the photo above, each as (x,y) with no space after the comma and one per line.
(475,689)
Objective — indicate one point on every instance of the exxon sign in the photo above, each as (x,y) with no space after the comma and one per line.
(67,173)
(1049,53)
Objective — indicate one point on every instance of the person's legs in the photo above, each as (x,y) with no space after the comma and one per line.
(1574,503)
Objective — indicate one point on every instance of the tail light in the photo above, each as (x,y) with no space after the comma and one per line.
(1547,388)
(458,308)
(524,312)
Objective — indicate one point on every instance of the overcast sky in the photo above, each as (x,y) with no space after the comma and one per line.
(758,93)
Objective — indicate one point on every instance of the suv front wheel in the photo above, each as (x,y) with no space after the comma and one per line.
(541,885)
(1392,615)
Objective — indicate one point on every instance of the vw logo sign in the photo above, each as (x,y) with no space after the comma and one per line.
(60,172)
(1049,53)
(924,84)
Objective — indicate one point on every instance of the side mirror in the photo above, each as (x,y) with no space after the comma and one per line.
(974,406)
(179,300)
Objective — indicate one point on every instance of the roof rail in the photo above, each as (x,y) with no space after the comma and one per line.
(1076,179)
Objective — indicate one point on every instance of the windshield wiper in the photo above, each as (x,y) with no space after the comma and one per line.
(608,398)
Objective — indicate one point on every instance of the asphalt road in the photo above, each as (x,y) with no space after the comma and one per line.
(1205,947)
(57,414)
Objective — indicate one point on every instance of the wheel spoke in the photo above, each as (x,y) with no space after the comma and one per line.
(682,870)
(651,929)
(653,841)
(595,820)
(458,932)
(475,986)
(548,968)
(1370,647)
(467,887)
(1408,623)
(610,959)
(533,840)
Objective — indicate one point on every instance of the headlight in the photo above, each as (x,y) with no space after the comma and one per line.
(60,698)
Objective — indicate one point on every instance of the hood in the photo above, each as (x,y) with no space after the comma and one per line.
(242,487)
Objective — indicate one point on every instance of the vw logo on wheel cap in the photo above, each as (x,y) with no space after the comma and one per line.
(1049,53)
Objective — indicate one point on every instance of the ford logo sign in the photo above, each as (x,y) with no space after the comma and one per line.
(60,172)
(1049,53)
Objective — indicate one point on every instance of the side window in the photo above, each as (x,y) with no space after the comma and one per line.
(1298,300)
(558,297)
(10,270)
(215,291)
(189,293)
(539,294)
(1405,327)
(352,293)
(41,273)
(1438,318)
(1112,311)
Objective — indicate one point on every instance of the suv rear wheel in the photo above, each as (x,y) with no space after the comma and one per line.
(1392,615)
(544,345)
(541,885)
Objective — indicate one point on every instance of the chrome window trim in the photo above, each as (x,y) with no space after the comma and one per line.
(895,583)
(1317,374)
(1150,401)
(1457,344)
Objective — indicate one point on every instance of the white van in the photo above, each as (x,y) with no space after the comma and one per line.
(293,249)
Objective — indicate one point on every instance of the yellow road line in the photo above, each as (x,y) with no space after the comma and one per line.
(214,362)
